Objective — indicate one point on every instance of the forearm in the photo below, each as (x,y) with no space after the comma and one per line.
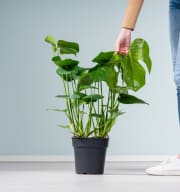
(131,14)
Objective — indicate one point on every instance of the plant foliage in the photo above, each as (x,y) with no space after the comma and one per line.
(91,112)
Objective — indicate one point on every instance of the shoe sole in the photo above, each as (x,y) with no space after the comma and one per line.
(164,173)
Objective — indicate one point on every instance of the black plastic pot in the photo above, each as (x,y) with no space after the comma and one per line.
(89,154)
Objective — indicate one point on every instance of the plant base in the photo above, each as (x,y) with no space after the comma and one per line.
(89,155)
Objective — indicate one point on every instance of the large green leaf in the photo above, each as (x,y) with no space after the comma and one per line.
(67,68)
(67,47)
(115,60)
(130,99)
(107,58)
(84,80)
(69,75)
(80,71)
(140,51)
(103,57)
(60,71)
(100,73)
(67,64)
(133,72)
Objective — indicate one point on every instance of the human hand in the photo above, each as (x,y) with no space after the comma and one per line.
(123,41)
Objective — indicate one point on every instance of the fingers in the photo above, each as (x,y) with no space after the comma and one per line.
(121,48)
(124,48)
(123,52)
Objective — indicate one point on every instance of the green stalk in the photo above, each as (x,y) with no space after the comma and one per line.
(75,85)
(76,106)
(102,105)
(88,128)
(71,107)
(98,99)
(88,125)
(68,106)
(102,119)
(112,100)
(107,107)
(116,102)
(97,120)
(81,119)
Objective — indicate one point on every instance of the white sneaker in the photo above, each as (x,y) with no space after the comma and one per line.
(171,166)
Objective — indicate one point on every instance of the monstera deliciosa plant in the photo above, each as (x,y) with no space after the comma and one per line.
(94,95)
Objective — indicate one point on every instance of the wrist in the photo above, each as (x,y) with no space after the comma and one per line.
(127,29)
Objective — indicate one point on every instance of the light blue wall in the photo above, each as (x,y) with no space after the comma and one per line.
(28,82)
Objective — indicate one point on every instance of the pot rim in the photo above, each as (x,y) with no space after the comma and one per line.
(89,138)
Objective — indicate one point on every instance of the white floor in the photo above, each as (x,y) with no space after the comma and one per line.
(60,177)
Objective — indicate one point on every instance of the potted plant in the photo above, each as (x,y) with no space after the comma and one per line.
(94,96)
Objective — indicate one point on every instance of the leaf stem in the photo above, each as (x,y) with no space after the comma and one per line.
(68,106)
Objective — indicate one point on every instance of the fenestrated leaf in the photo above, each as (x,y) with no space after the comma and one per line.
(67,47)
(130,99)
(50,39)
(64,126)
(140,51)
(103,57)
(133,72)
